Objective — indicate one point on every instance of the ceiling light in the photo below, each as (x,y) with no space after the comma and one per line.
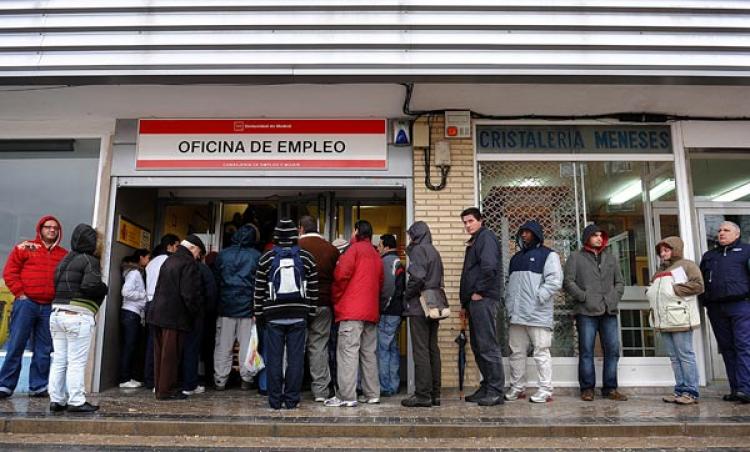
(734,194)
(627,193)
(661,189)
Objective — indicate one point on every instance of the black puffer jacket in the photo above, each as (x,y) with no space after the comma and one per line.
(178,296)
(482,272)
(78,277)
(425,269)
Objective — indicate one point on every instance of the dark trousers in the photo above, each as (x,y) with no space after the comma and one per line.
(148,364)
(191,355)
(484,345)
(424,341)
(731,325)
(285,387)
(168,346)
(609,335)
(130,326)
(208,343)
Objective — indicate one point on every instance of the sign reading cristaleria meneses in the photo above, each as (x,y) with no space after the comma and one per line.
(582,139)
(197,144)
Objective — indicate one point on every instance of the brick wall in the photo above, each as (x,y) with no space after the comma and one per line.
(441,210)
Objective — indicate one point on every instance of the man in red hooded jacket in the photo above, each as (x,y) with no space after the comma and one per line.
(29,274)
(357,282)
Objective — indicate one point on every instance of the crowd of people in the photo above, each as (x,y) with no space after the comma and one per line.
(335,312)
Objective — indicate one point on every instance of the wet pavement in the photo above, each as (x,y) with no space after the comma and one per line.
(645,405)
(133,419)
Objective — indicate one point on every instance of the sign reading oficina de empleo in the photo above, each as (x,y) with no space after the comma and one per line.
(196,144)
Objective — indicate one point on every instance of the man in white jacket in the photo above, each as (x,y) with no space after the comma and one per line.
(535,276)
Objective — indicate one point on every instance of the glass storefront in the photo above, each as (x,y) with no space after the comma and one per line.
(566,196)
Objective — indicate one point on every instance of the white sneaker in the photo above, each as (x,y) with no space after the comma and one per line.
(369,400)
(197,390)
(335,401)
(132,384)
(541,396)
(515,394)
(320,399)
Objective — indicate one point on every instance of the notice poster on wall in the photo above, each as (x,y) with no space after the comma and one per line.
(237,144)
(132,235)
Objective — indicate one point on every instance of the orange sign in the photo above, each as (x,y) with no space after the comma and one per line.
(132,235)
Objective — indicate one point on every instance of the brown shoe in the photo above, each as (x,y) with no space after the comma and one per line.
(587,395)
(617,395)
(672,398)
(685,399)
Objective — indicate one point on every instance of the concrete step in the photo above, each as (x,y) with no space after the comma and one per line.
(85,442)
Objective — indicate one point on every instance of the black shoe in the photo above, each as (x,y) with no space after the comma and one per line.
(476,396)
(55,407)
(731,397)
(414,402)
(40,394)
(5,395)
(291,406)
(435,401)
(491,400)
(742,397)
(262,393)
(85,408)
(176,396)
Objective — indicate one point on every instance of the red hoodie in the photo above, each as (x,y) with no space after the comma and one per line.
(30,269)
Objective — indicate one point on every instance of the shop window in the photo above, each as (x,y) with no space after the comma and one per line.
(566,196)
(41,177)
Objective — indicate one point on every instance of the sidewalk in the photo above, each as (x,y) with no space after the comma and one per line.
(244,417)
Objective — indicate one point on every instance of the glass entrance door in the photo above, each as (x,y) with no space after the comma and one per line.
(709,219)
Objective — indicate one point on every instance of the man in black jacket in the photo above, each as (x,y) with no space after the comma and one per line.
(480,293)
(171,314)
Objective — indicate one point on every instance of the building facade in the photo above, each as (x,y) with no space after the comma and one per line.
(632,114)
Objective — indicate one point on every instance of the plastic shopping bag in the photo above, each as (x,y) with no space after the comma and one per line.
(6,306)
(253,362)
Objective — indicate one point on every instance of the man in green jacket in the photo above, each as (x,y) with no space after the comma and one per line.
(593,279)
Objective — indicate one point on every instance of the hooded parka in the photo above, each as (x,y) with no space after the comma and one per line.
(235,268)
(425,270)
(30,268)
(674,306)
(535,276)
(357,283)
(78,277)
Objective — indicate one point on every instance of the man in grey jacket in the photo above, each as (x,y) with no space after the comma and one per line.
(480,292)
(594,280)
(535,277)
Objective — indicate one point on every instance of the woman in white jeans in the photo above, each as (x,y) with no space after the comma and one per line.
(79,292)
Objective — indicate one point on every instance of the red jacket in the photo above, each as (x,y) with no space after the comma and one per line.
(357,281)
(30,269)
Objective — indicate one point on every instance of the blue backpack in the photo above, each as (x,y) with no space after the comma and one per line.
(287,276)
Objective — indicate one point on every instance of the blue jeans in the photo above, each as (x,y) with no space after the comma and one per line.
(609,335)
(130,324)
(388,353)
(731,325)
(27,320)
(679,347)
(285,387)
(191,355)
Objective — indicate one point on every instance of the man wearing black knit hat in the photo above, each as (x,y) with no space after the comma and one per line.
(286,293)
(171,314)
